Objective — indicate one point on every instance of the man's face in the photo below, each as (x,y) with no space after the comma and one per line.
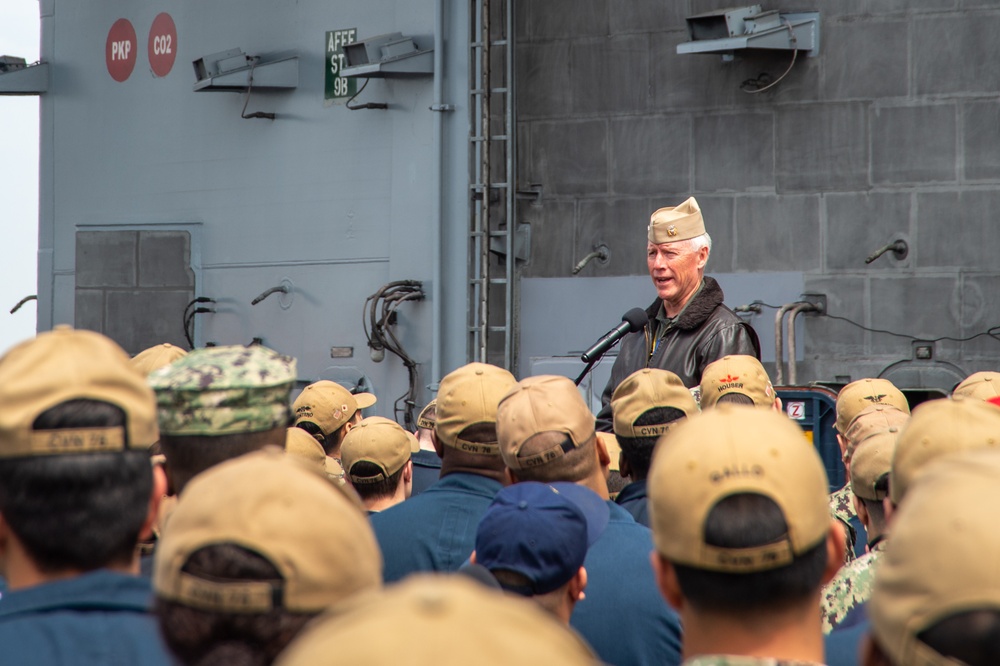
(676,270)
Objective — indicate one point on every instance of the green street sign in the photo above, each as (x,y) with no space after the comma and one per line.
(338,87)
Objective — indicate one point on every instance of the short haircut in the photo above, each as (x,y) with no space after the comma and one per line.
(639,450)
(698,242)
(77,511)
(379,489)
(480,433)
(190,455)
(972,637)
(238,639)
(736,399)
(576,464)
(746,520)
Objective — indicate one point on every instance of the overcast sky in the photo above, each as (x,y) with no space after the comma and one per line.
(19,31)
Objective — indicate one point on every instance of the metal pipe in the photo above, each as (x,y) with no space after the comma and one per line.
(794,312)
(280,289)
(779,347)
(437,220)
(600,252)
(485,39)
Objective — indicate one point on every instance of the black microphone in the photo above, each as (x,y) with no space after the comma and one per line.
(632,321)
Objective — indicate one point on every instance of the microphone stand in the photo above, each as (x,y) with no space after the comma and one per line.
(590,366)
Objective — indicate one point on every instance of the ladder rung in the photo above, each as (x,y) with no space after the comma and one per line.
(498,329)
(495,42)
(479,91)
(494,137)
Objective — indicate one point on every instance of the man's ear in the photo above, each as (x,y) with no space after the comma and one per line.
(438,446)
(889,509)
(666,581)
(578,584)
(702,257)
(835,547)
(155,497)
(624,468)
(408,472)
(603,458)
(778,405)
(472,558)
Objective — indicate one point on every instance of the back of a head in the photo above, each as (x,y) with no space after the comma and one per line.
(323,408)
(873,420)
(736,378)
(979,385)
(644,406)
(218,403)
(937,429)
(858,395)
(546,431)
(256,547)
(75,429)
(438,620)
(738,505)
(374,454)
(466,420)
(540,533)
(936,599)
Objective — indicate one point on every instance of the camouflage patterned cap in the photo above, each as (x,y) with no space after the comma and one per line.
(224,391)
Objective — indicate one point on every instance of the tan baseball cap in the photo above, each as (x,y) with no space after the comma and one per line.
(329,405)
(428,416)
(981,385)
(676,223)
(66,364)
(439,620)
(942,558)
(863,393)
(646,389)
(938,428)
(546,403)
(156,357)
(871,461)
(313,533)
(736,374)
(873,420)
(469,396)
(304,446)
(729,450)
(379,441)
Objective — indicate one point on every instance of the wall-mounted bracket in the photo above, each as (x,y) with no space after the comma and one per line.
(389,55)
(233,71)
(17,77)
(729,30)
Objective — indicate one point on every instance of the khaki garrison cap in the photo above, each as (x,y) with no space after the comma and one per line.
(329,405)
(739,374)
(65,364)
(469,396)
(439,620)
(942,559)
(379,441)
(730,450)
(224,391)
(873,420)
(856,396)
(314,534)
(302,445)
(871,461)
(676,223)
(545,403)
(981,385)
(646,389)
(156,357)
(938,428)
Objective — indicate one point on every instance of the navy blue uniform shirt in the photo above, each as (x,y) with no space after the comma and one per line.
(436,530)
(98,618)
(633,499)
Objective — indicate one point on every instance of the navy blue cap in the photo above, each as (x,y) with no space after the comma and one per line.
(541,531)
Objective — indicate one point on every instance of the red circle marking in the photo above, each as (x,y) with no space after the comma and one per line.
(162,45)
(119,50)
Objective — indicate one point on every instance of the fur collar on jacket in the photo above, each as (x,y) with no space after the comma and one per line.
(698,310)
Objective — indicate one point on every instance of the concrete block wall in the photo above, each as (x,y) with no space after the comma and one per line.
(892,131)
(133,286)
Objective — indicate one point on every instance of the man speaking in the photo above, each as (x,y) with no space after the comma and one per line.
(689,327)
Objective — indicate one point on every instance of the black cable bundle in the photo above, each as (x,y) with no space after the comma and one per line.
(378,316)
(190,311)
